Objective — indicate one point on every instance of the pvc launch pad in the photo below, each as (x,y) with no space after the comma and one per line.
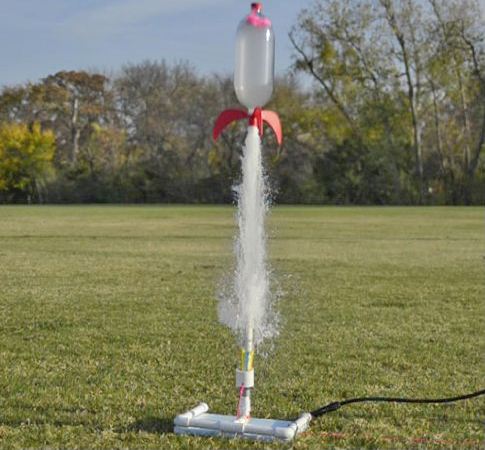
(198,422)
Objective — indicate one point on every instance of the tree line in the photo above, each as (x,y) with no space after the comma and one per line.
(394,113)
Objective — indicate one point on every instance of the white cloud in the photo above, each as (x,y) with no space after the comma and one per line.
(118,16)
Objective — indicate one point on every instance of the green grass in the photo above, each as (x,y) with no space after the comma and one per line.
(108,325)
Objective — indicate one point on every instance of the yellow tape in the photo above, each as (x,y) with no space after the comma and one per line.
(247,360)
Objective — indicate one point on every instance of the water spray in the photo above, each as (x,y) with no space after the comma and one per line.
(253,84)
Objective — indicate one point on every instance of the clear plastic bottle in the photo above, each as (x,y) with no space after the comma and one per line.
(254,59)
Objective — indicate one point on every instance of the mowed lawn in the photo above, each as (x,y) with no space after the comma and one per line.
(109,329)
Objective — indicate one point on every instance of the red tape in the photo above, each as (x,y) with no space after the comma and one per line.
(238,410)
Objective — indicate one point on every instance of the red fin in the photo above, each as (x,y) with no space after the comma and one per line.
(225,118)
(273,120)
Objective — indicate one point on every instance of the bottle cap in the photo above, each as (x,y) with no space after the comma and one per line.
(257,19)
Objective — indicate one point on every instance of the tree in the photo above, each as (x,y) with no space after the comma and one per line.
(346,48)
(407,79)
(168,112)
(72,102)
(26,155)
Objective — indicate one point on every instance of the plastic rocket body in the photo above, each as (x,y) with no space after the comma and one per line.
(254,60)
(253,74)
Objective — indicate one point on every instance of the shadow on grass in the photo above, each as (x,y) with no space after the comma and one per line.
(152,424)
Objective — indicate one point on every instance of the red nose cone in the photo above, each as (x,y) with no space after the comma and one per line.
(258,6)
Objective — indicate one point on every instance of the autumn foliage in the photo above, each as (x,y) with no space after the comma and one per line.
(384,104)
(26,155)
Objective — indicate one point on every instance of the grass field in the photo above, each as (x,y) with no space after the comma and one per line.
(108,325)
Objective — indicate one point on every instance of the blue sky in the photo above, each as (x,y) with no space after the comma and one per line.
(41,37)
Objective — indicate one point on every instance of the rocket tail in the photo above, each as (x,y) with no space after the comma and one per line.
(257,118)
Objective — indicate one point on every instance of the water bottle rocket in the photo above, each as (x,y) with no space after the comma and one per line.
(253,83)
(253,75)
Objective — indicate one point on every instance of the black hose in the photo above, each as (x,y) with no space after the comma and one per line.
(337,405)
